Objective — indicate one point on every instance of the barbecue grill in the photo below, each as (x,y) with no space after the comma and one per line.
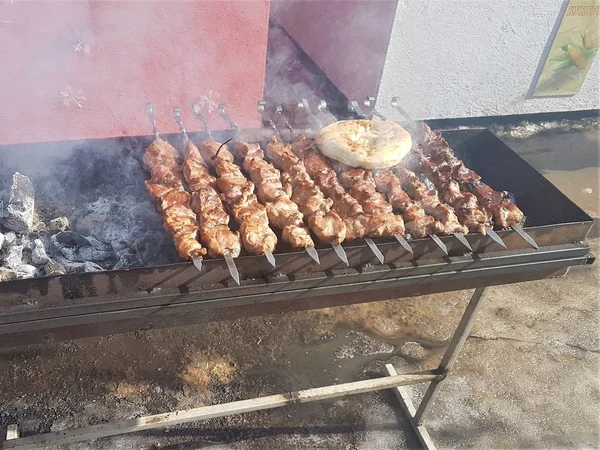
(161,295)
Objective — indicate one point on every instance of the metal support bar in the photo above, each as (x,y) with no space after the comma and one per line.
(214,411)
(409,410)
(458,340)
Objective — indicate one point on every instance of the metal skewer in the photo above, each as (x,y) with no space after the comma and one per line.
(404,243)
(497,239)
(197,260)
(439,243)
(150,113)
(375,250)
(200,117)
(525,236)
(337,248)
(262,109)
(412,125)
(233,271)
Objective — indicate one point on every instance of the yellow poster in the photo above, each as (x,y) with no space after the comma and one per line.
(572,52)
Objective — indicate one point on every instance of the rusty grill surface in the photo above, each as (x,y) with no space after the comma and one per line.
(67,306)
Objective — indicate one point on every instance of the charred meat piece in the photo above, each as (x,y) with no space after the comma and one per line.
(325,223)
(237,194)
(444,167)
(283,213)
(166,187)
(215,233)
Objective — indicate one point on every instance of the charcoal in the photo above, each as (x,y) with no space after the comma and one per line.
(13,258)
(70,239)
(127,261)
(38,253)
(143,216)
(26,271)
(10,239)
(149,249)
(79,267)
(7,274)
(54,268)
(96,251)
(20,205)
(90,224)
(1,240)
(59,224)
(120,246)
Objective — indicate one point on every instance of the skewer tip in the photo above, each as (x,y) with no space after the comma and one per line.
(439,243)
(341,253)
(526,237)
(375,250)
(463,240)
(494,236)
(270,258)
(312,252)
(197,262)
(233,271)
(404,243)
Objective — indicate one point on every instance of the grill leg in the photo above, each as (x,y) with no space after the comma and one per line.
(459,338)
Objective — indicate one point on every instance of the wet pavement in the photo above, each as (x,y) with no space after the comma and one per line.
(527,377)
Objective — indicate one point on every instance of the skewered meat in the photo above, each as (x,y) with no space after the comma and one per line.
(351,205)
(160,152)
(299,186)
(439,159)
(416,221)
(466,212)
(283,213)
(237,193)
(206,203)
(166,187)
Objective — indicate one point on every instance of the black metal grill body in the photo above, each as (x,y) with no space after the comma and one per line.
(70,306)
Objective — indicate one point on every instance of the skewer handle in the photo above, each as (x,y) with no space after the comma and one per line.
(305,106)
(370,105)
(150,112)
(282,118)
(409,119)
(200,117)
(177,117)
(225,116)
(354,108)
(262,109)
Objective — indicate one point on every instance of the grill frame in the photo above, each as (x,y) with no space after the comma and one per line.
(69,306)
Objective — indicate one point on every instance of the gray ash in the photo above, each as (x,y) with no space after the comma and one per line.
(84,211)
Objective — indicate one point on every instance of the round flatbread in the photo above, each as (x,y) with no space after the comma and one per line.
(365,143)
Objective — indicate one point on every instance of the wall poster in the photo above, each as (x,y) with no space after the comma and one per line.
(572,52)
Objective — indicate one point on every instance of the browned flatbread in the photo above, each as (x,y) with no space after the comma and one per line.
(365,143)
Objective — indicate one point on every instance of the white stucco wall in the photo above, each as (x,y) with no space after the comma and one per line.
(470,58)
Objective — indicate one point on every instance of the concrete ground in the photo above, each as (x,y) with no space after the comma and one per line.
(528,375)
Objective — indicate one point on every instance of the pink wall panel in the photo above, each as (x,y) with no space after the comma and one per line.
(347,39)
(73,69)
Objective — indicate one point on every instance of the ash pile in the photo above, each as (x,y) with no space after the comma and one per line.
(80,217)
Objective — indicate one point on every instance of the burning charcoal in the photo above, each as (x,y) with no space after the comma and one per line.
(20,205)
(26,271)
(90,224)
(70,239)
(38,253)
(7,274)
(59,224)
(54,268)
(127,261)
(14,257)
(10,238)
